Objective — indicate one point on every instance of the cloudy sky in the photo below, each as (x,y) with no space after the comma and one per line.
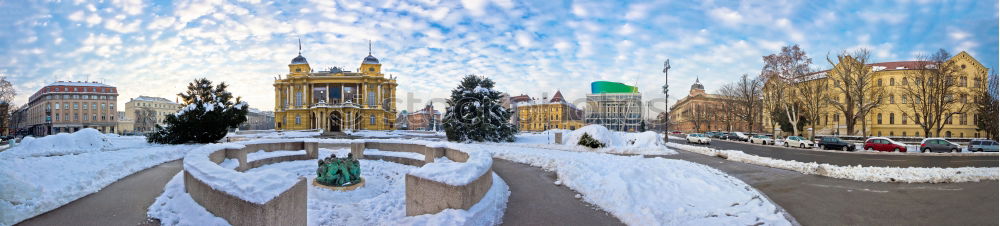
(529,47)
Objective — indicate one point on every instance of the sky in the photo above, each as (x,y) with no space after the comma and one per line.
(154,48)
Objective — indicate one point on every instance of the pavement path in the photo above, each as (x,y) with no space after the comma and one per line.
(124,202)
(817,200)
(853,158)
(536,200)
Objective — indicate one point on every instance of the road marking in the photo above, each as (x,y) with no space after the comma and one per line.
(849,188)
(888,160)
(975,160)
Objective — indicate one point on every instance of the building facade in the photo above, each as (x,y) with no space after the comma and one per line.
(258,120)
(535,115)
(893,118)
(425,119)
(143,113)
(702,112)
(614,105)
(335,99)
(69,107)
(511,102)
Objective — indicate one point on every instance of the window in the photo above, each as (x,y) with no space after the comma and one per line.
(66,106)
(104,106)
(916,134)
(892,99)
(836,117)
(947,119)
(76,106)
(903,80)
(880,121)
(57,115)
(93,106)
(298,119)
(57,106)
(85,106)
(892,118)
(904,133)
(94,117)
(962,119)
(298,99)
(904,98)
(111,106)
(880,82)
(904,121)
(371,99)
(371,119)
(76,117)
(892,81)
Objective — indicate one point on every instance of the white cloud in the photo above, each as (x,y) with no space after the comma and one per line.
(626,29)
(475,7)
(525,39)
(726,16)
(958,35)
(118,26)
(93,19)
(132,7)
(76,16)
(637,11)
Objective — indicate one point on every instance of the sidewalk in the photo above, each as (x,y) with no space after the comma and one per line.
(124,202)
(536,200)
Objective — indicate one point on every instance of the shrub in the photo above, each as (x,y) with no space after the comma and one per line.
(587,141)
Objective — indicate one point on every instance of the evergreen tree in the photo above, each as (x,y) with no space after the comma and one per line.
(474,113)
(209,114)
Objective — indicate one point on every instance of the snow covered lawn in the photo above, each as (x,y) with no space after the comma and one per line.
(652,191)
(646,143)
(380,202)
(66,167)
(859,173)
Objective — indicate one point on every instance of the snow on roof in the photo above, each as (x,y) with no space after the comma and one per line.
(154,99)
(68,83)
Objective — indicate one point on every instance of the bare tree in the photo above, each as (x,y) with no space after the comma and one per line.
(856,92)
(934,93)
(788,67)
(145,119)
(986,105)
(812,95)
(698,116)
(745,94)
(7,93)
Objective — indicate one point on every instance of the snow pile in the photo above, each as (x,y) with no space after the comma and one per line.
(652,191)
(275,134)
(409,155)
(859,173)
(83,141)
(254,156)
(34,185)
(258,187)
(380,202)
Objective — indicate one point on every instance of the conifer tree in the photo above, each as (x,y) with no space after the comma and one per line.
(474,113)
(209,114)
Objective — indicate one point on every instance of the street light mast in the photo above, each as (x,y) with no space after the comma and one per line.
(666,96)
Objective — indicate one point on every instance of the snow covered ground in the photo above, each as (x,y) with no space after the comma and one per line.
(651,191)
(859,173)
(395,133)
(42,174)
(646,143)
(380,202)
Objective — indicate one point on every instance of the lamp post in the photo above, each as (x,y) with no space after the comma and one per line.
(666,97)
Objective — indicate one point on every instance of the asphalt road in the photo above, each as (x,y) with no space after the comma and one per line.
(817,200)
(853,158)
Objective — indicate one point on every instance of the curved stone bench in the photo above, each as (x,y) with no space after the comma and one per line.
(271,197)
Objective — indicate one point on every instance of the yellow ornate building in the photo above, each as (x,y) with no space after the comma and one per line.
(553,114)
(892,118)
(335,99)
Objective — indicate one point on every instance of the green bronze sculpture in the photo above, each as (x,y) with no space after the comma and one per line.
(334,171)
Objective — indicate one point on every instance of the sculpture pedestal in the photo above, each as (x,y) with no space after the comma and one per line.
(360,183)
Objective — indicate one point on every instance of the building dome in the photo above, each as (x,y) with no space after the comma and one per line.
(697,85)
(369,60)
(299,60)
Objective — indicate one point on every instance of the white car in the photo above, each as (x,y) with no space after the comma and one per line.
(698,138)
(797,141)
(762,139)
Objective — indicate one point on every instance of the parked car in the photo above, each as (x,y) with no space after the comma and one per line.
(737,136)
(762,139)
(721,135)
(980,145)
(884,144)
(938,145)
(797,141)
(835,144)
(698,138)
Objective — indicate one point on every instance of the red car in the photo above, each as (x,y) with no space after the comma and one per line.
(884,144)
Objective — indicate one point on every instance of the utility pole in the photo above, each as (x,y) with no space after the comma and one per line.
(666,98)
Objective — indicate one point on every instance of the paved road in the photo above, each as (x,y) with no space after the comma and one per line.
(124,202)
(853,159)
(535,200)
(817,200)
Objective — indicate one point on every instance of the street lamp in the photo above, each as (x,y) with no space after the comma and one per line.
(666,96)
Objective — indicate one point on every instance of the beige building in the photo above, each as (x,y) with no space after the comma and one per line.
(556,113)
(69,107)
(143,113)
(702,112)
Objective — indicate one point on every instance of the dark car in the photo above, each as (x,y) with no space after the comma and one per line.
(939,145)
(835,144)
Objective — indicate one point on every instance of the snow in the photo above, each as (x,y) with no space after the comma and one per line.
(395,133)
(646,143)
(258,187)
(381,201)
(254,156)
(271,134)
(859,173)
(409,155)
(83,141)
(652,191)
(457,173)
(34,185)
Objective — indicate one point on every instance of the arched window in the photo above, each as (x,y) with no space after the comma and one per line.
(892,99)
(298,119)
(904,119)
(892,81)
(879,119)
(371,119)
(904,133)
(947,134)
(892,118)
(880,82)
(904,81)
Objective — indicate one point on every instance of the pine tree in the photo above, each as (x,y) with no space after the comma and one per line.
(474,113)
(209,114)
